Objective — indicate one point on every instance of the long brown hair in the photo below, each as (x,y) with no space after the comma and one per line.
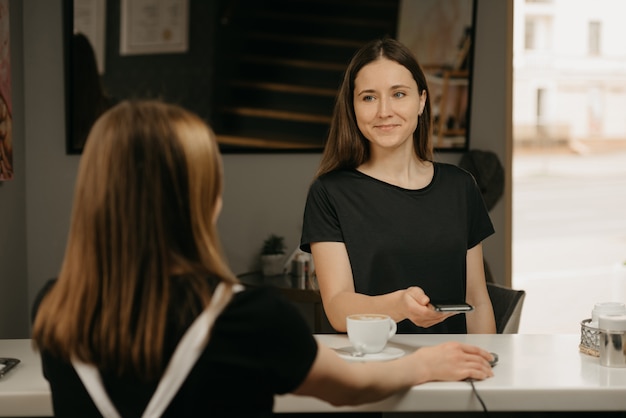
(346,147)
(149,182)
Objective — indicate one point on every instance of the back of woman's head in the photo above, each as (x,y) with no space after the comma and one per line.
(149,180)
(346,146)
(149,184)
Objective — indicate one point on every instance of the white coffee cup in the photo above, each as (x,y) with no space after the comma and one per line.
(369,333)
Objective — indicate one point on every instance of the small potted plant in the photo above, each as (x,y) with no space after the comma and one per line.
(273,255)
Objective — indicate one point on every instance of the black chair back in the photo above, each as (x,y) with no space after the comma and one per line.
(507,307)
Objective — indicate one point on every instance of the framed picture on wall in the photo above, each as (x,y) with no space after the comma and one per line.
(262,73)
(6,108)
(154,26)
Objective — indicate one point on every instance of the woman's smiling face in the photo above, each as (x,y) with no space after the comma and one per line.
(387,103)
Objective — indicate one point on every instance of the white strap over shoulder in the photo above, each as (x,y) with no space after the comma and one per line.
(93,383)
(184,358)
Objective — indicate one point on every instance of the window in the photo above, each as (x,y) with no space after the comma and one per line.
(538,33)
(529,34)
(594,37)
(541,105)
(595,110)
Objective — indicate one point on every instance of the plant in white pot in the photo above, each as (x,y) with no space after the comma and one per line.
(273,255)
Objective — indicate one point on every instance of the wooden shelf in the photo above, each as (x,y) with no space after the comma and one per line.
(287,88)
(450,103)
(277,114)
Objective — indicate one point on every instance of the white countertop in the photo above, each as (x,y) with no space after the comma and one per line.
(534,373)
(23,391)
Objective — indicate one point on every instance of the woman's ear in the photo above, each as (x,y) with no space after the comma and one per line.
(217,209)
(423,96)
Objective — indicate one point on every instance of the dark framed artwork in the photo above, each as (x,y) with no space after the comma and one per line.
(441,34)
(263,74)
(6,107)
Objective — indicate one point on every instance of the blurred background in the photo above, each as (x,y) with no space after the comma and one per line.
(569,160)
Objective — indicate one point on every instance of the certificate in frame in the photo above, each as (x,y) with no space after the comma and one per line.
(154,26)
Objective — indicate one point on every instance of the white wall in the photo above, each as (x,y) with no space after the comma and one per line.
(263,193)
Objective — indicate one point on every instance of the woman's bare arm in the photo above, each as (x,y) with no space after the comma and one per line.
(334,275)
(481,319)
(340,382)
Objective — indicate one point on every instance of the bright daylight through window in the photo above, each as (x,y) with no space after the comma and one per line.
(569,160)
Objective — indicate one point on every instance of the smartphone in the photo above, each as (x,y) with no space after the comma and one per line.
(453,307)
(7,364)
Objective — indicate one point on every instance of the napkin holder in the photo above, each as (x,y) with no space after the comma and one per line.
(589,339)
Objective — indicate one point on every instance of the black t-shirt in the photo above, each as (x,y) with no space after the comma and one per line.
(397,238)
(260,346)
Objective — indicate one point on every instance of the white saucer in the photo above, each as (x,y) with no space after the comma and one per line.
(388,353)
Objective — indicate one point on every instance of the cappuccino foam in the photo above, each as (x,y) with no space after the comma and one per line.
(368,317)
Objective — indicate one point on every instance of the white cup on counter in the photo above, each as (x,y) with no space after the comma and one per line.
(612,340)
(369,333)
